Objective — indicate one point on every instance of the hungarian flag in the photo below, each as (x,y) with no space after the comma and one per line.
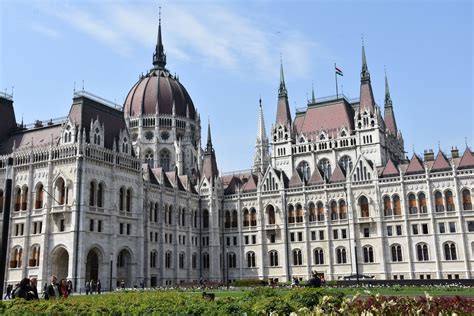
(339,71)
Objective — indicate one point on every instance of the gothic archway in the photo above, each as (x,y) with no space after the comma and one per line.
(124,268)
(92,265)
(60,263)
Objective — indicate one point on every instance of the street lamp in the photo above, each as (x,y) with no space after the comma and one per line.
(6,222)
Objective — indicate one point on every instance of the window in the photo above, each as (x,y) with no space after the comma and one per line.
(99,226)
(424,229)
(246,240)
(397,210)
(364,206)
(246,218)
(231,260)
(341,256)
(452,227)
(313,235)
(312,212)
(92,194)
(368,254)
(273,258)
(450,251)
(304,171)
(318,256)
(17,199)
(227,220)
(413,209)
(37,227)
(121,199)
(128,204)
(335,234)
(291,214)
(129,228)
(325,167)
(470,226)
(334,212)
(439,206)
(396,253)
(121,228)
(16,258)
(253,217)
(168,259)
(442,228)
(466,200)
(299,213)
(194,261)
(346,163)
(181,260)
(422,203)
(300,236)
(235,240)
(320,212)
(387,206)
(100,195)
(449,201)
(234,219)
(297,257)
(321,235)
(250,259)
(399,230)
(165,160)
(2,201)
(153,256)
(60,191)
(91,225)
(149,158)
(389,231)
(272,238)
(343,233)
(24,198)
(39,197)
(254,239)
(62,225)
(414,228)
(205,219)
(422,252)
(342,209)
(366,232)
(35,257)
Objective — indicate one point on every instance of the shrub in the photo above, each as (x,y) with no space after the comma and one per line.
(250,282)
(305,297)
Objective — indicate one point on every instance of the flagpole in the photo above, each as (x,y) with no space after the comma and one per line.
(335,75)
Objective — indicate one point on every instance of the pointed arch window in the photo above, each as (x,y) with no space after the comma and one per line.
(181,260)
(297,257)
(165,160)
(341,255)
(100,195)
(35,256)
(342,209)
(299,213)
(291,214)
(273,258)
(368,254)
(24,198)
(397,209)
(422,203)
(466,200)
(253,217)
(231,260)
(449,201)
(60,191)
(413,209)
(16,259)
(422,252)
(312,212)
(149,159)
(205,219)
(121,199)
(271,214)
(235,219)
(128,204)
(246,218)
(17,199)
(227,219)
(153,256)
(450,251)
(346,164)
(39,196)
(439,205)
(304,170)
(320,211)
(205,260)
(318,256)
(168,259)
(325,167)
(334,212)
(387,206)
(92,193)
(364,206)
(396,251)
(251,259)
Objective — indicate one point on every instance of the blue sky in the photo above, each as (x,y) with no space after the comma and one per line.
(227,55)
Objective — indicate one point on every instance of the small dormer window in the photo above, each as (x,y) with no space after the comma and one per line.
(343,134)
(321,137)
(97,136)
(125,145)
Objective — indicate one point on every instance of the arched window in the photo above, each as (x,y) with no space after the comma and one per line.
(232,260)
(165,160)
(304,170)
(34,257)
(450,251)
(17,199)
(235,219)
(60,191)
(364,206)
(346,164)
(466,200)
(100,195)
(342,209)
(422,252)
(39,196)
(168,259)
(121,199)
(387,206)
(170,215)
(334,212)
(413,209)
(297,257)
(422,203)
(320,211)
(1,201)
(439,205)
(227,219)
(24,198)
(318,256)
(16,258)
(250,259)
(396,251)
(181,260)
(299,213)
(92,193)
(368,254)
(253,217)
(194,261)
(449,201)
(205,219)
(153,256)
(155,213)
(325,167)
(271,214)
(397,209)
(183,217)
(273,258)
(128,204)
(341,256)
(149,159)
(246,218)
(312,212)
(291,214)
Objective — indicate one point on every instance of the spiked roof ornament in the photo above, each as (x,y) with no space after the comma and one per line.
(364,74)
(388,98)
(159,57)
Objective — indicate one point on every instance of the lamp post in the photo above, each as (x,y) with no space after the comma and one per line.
(6,223)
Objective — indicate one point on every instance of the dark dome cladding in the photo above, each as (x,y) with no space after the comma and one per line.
(143,96)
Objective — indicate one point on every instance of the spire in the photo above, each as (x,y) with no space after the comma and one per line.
(283,108)
(159,57)
(389,115)
(209,140)
(366,94)
(313,99)
(261,157)
(209,163)
(282,90)
(388,99)
(364,74)
(261,135)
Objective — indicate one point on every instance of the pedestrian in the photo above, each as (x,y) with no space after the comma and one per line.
(63,290)
(92,286)
(142,284)
(8,294)
(24,290)
(122,284)
(99,286)
(69,287)
(52,290)
(34,288)
(88,287)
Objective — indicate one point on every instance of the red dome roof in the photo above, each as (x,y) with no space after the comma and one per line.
(144,95)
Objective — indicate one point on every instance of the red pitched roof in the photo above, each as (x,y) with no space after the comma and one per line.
(366,97)
(283,111)
(440,163)
(250,185)
(415,165)
(337,175)
(390,169)
(295,180)
(316,178)
(467,160)
(389,119)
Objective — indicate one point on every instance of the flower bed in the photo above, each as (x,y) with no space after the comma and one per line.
(258,301)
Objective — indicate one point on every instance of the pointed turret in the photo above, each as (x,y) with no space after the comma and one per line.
(261,158)
(389,115)
(209,163)
(366,94)
(209,139)
(313,98)
(159,57)
(283,108)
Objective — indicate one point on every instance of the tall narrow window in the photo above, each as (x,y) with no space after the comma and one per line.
(466,200)
(205,260)
(299,213)
(121,199)
(273,258)
(227,219)
(312,212)
(368,254)
(60,193)
(318,256)
(387,206)
(24,198)
(342,209)
(205,219)
(364,206)
(129,201)
(250,259)
(253,217)
(100,195)
(439,205)
(271,214)
(341,256)
(413,209)
(397,209)
(235,219)
(320,212)
(149,160)
(334,212)
(396,253)
(92,194)
(422,203)
(17,199)
(246,218)
(449,201)
(422,252)
(450,251)
(165,160)
(297,257)
(325,168)
(304,170)
(291,214)
(39,196)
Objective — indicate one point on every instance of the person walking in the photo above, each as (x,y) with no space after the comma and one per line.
(93,286)
(34,287)
(8,294)
(63,288)
(24,290)
(52,290)
(88,287)
(69,287)
(99,286)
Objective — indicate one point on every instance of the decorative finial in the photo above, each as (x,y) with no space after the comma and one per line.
(413,148)
(260,101)
(362,37)
(159,14)
(82,85)
(74,88)
(13,87)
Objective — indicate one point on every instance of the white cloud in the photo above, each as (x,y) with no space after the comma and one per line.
(46,31)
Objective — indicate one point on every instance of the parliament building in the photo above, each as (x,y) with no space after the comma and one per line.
(131,194)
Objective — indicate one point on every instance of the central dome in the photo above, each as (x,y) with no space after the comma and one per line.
(158,88)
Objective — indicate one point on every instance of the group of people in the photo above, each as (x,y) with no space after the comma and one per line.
(55,290)
(92,287)
(27,289)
